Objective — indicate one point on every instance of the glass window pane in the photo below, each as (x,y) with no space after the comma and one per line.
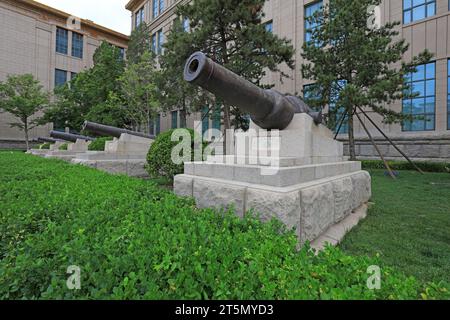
(431,71)
(418,106)
(418,2)
(418,88)
(407,106)
(407,126)
(418,125)
(418,13)
(419,74)
(430,105)
(431,88)
(407,4)
(429,122)
(407,17)
(431,9)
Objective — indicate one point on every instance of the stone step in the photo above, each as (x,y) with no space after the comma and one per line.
(270,161)
(276,177)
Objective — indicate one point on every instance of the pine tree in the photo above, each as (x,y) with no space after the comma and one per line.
(356,64)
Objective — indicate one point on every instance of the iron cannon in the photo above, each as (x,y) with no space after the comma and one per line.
(269,109)
(109,131)
(48,140)
(69,136)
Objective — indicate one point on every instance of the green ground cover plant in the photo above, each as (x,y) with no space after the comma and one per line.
(64,147)
(134,240)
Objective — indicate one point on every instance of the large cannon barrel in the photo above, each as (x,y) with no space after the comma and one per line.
(69,136)
(109,131)
(269,109)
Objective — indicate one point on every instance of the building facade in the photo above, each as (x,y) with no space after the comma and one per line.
(51,45)
(425,24)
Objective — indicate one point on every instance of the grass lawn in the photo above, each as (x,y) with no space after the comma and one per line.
(408,225)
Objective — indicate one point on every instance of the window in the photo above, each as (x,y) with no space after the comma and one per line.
(414,10)
(62,40)
(154,43)
(139,17)
(269,26)
(72,75)
(186,25)
(217,118)
(158,8)
(161,40)
(340,111)
(205,120)
(309,25)
(422,84)
(77,45)
(60,77)
(174,119)
(448,95)
(158,124)
(122,53)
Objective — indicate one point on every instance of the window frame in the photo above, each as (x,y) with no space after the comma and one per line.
(56,85)
(410,10)
(305,18)
(81,48)
(64,39)
(425,97)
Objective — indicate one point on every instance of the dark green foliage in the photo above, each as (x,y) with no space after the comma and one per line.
(159,158)
(405,165)
(64,147)
(133,240)
(408,225)
(99,144)
(45,146)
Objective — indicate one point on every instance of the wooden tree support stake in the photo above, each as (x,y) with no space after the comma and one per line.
(391,173)
(390,141)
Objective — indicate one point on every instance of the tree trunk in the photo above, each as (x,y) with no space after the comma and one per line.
(351,136)
(25,129)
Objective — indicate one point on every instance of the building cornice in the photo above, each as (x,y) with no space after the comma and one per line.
(61,14)
(132,4)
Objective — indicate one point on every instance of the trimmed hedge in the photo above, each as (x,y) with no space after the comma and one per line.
(133,240)
(159,158)
(64,147)
(99,144)
(405,165)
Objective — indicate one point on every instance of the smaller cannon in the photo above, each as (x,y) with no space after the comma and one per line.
(110,131)
(69,136)
(48,140)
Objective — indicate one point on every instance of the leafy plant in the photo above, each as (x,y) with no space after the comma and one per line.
(99,144)
(159,158)
(45,146)
(64,147)
(133,240)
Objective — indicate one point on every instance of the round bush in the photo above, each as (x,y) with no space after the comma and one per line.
(99,144)
(159,158)
(64,147)
(44,146)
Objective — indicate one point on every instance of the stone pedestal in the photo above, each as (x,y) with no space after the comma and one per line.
(73,149)
(297,175)
(126,155)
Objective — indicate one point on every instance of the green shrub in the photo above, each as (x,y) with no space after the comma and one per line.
(45,146)
(159,158)
(133,240)
(64,147)
(405,165)
(99,144)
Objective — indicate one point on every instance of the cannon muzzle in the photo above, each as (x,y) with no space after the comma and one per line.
(269,109)
(69,136)
(110,131)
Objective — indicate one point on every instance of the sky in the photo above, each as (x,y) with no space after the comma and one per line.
(108,13)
